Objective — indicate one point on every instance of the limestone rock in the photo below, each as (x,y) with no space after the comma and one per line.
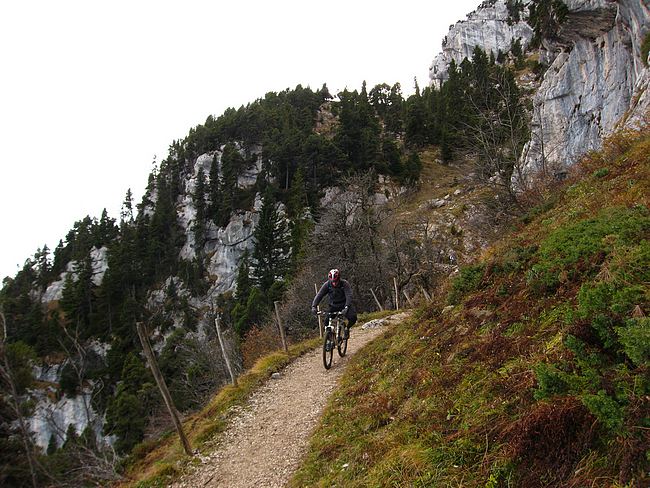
(99,259)
(595,69)
(595,79)
(487,27)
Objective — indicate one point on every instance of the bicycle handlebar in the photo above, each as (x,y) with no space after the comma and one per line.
(331,314)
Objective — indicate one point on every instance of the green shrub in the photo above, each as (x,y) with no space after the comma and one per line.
(468,280)
(550,381)
(601,173)
(567,250)
(515,259)
(606,409)
(645,49)
(635,339)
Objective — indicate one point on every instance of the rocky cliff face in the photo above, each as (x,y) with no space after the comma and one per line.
(99,259)
(595,79)
(224,246)
(595,72)
(490,27)
(223,250)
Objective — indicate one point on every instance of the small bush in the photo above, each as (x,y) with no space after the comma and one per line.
(258,342)
(635,339)
(645,49)
(601,173)
(605,409)
(468,280)
(550,381)
(516,259)
(549,440)
(573,250)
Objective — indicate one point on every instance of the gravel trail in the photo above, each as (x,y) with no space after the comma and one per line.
(266,440)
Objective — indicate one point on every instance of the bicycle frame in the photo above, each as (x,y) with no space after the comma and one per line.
(336,317)
(333,337)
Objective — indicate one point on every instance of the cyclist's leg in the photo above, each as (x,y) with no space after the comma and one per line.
(352,319)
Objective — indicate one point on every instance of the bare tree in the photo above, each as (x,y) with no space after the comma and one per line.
(78,361)
(499,130)
(419,254)
(349,237)
(14,402)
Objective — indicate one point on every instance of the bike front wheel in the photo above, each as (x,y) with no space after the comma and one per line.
(328,349)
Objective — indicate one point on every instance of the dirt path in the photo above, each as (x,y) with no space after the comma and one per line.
(265,441)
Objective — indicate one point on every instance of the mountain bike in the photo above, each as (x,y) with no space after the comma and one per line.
(334,336)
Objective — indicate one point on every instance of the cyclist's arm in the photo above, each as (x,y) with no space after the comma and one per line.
(319,296)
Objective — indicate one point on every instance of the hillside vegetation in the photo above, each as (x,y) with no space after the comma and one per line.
(530,369)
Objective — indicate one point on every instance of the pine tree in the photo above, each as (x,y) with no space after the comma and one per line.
(126,214)
(215,192)
(412,168)
(106,231)
(61,258)
(253,311)
(71,437)
(199,222)
(52,446)
(416,123)
(125,416)
(393,158)
(394,112)
(243,281)
(300,222)
(271,252)
(78,298)
(231,164)
(358,131)
(164,233)
(42,258)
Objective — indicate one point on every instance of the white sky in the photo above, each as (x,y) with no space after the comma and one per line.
(90,91)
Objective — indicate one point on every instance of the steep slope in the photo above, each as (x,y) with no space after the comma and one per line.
(531,368)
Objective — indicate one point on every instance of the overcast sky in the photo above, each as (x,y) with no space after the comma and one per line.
(91,91)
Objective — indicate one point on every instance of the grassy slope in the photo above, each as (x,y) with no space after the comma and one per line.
(538,373)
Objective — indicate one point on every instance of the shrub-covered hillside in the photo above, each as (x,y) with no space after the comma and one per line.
(532,367)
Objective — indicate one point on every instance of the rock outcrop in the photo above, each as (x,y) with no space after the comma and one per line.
(594,71)
(595,80)
(490,27)
(99,259)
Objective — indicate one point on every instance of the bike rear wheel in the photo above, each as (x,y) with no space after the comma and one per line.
(342,343)
(328,349)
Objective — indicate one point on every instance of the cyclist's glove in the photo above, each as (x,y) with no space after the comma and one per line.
(313,310)
(345,311)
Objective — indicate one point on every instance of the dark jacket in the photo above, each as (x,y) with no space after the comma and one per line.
(339,296)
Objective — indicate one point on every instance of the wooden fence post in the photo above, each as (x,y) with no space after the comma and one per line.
(320,319)
(396,294)
(233,378)
(284,339)
(426,294)
(408,298)
(376,301)
(151,359)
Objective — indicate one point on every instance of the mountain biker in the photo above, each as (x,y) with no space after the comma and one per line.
(340,299)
